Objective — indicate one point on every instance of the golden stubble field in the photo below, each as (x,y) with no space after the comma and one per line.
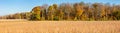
(23,26)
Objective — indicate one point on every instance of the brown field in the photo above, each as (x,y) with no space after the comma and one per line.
(24,26)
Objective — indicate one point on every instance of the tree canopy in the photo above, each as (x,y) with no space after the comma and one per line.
(65,11)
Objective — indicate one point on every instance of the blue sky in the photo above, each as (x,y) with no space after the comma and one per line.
(17,6)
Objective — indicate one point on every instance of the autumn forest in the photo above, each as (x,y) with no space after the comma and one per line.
(70,12)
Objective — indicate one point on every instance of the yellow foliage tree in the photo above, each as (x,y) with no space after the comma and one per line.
(79,10)
(50,13)
(36,13)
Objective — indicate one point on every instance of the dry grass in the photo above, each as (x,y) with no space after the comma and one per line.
(18,26)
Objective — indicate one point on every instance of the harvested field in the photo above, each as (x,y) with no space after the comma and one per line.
(19,26)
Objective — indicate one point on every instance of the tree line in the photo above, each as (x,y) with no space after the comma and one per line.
(66,11)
